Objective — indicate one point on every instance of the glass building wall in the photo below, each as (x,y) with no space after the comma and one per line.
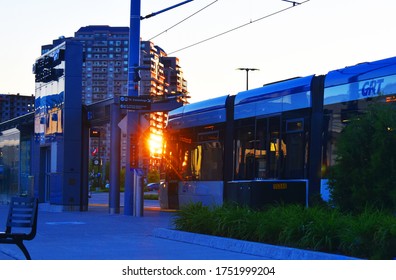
(9,163)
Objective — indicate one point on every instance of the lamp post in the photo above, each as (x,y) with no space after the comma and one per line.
(247,74)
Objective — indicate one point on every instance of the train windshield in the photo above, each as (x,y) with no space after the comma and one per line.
(195,154)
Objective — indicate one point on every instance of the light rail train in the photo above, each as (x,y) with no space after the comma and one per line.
(269,144)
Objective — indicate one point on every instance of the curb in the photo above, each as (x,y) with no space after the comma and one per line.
(266,251)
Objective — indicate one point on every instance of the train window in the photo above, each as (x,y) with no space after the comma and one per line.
(245,149)
(294,146)
(261,149)
(208,136)
(212,161)
(200,160)
(275,154)
(294,125)
(196,162)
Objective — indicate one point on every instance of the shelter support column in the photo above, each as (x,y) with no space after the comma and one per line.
(115,158)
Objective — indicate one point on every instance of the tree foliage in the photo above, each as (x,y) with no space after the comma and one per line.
(365,171)
(153,176)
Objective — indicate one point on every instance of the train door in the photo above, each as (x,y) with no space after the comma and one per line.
(280,148)
(268,148)
(295,146)
(271,148)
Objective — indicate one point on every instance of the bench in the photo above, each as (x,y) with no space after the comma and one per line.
(21,223)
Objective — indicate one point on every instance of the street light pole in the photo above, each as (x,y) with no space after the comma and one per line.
(247,74)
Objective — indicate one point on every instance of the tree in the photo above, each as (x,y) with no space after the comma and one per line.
(365,171)
(153,176)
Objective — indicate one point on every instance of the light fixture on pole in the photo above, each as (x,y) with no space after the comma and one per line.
(247,74)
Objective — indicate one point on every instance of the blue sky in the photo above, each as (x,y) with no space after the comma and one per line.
(312,38)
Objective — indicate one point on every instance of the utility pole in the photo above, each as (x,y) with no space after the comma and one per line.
(132,116)
(247,74)
(133,201)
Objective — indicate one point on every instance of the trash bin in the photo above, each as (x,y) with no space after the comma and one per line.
(168,195)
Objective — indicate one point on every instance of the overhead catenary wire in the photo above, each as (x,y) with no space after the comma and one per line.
(183,20)
(238,27)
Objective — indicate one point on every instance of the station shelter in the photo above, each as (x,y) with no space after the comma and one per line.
(42,153)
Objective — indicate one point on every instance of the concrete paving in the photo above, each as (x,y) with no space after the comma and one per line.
(98,235)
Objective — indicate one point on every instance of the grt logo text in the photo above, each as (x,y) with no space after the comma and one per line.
(372,88)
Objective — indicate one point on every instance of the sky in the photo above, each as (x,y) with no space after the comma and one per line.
(312,38)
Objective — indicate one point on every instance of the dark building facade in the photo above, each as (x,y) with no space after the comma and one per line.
(57,153)
(15,105)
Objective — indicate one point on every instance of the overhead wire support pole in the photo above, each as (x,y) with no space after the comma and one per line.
(164,10)
(130,199)
(133,195)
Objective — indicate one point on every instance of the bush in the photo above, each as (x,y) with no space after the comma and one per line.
(195,218)
(371,234)
(364,174)
(153,176)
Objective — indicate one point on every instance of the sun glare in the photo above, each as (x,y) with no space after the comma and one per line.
(155,143)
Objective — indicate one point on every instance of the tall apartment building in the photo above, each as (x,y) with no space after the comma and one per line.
(163,78)
(105,68)
(105,72)
(15,105)
(175,77)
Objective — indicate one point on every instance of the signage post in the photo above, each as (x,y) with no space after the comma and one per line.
(134,103)
(132,117)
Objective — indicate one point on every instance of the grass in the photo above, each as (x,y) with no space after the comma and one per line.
(151,196)
(369,235)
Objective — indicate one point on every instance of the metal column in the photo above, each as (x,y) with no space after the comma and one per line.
(115,158)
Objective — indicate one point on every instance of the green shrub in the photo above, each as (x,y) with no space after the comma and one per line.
(321,229)
(236,222)
(364,174)
(371,234)
(153,176)
(195,218)
(151,196)
(287,221)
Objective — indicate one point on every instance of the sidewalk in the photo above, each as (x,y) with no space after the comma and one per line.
(98,235)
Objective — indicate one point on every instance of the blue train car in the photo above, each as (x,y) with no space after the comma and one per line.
(269,144)
(234,148)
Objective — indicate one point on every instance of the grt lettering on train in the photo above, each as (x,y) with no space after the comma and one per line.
(372,88)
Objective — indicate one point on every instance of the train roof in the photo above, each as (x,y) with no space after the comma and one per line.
(200,113)
(274,98)
(361,72)
(274,90)
(364,80)
(350,83)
